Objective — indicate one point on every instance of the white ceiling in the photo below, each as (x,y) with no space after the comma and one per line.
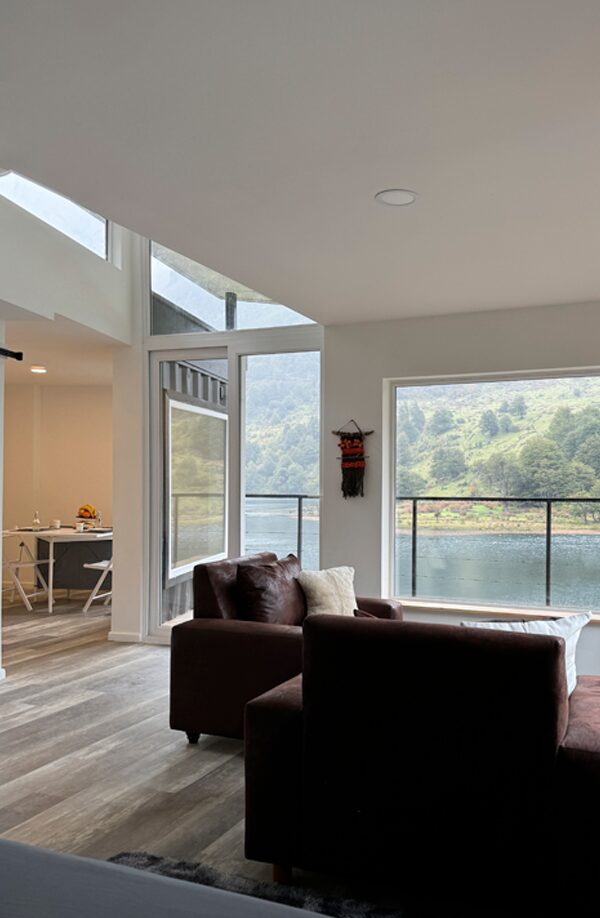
(73,355)
(252,137)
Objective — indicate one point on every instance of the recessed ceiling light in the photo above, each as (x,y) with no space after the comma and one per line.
(36,368)
(396,197)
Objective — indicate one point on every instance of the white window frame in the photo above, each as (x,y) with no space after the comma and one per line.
(234,345)
(388,515)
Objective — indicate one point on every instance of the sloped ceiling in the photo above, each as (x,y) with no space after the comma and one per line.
(252,136)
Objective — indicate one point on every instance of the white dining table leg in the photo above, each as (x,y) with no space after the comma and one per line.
(50,576)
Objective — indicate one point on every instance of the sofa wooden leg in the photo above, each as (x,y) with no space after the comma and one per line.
(193,737)
(282,873)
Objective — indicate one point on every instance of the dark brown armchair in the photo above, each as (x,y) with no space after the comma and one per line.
(221,659)
(426,753)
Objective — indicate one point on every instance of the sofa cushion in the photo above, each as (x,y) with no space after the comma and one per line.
(330,591)
(270,592)
(568,628)
(215,585)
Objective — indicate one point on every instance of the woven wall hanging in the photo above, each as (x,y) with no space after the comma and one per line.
(353,459)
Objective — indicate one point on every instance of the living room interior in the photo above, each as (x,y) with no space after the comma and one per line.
(301,458)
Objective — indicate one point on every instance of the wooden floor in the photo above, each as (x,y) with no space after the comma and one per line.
(88,763)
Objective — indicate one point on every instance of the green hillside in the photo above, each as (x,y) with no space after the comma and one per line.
(282,423)
(535,438)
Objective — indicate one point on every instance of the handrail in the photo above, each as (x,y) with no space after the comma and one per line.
(548,502)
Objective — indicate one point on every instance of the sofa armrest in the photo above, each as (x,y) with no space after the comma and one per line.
(273,763)
(382,608)
(219,665)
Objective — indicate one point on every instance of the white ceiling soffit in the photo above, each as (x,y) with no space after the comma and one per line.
(73,354)
(252,136)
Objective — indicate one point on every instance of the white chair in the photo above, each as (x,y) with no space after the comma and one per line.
(25,560)
(106,568)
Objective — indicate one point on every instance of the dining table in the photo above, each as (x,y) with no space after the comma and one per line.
(48,539)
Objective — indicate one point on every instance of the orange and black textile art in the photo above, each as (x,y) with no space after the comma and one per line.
(353,460)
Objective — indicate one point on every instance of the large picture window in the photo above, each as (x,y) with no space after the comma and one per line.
(497,492)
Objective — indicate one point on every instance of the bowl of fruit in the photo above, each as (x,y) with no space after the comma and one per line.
(87,514)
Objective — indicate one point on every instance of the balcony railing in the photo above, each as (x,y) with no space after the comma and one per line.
(297,499)
(547,504)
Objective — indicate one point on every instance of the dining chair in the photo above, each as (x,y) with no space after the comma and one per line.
(106,568)
(25,559)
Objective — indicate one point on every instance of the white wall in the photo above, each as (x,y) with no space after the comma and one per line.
(359,358)
(130,455)
(57,452)
(45,273)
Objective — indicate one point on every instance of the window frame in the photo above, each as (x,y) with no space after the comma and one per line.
(389,485)
(234,345)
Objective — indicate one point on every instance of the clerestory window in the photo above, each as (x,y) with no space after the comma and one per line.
(83,226)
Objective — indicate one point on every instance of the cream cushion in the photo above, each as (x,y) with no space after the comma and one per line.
(329,591)
(568,628)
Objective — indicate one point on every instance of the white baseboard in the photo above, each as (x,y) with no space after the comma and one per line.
(126,637)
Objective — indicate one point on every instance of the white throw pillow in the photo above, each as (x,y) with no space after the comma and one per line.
(329,591)
(568,628)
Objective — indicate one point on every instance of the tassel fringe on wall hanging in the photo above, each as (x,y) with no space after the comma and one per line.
(353,459)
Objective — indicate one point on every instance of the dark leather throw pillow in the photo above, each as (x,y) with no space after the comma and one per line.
(270,592)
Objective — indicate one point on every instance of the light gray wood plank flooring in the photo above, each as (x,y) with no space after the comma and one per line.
(88,763)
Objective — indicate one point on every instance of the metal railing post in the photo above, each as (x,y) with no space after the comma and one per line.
(414,548)
(548,551)
(299,531)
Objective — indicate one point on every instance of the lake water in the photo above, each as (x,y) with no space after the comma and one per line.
(495,568)
(472,567)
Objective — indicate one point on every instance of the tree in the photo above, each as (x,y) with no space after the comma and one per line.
(417,417)
(448,464)
(405,424)
(589,452)
(561,425)
(505,424)
(583,477)
(545,472)
(409,483)
(488,423)
(441,421)
(501,475)
(504,407)
(518,407)
(586,424)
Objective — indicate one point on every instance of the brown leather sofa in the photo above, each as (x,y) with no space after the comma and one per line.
(444,758)
(221,658)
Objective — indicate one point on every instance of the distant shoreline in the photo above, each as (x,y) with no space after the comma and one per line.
(431,531)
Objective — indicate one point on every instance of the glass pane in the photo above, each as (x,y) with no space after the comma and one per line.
(189,297)
(85,227)
(575,548)
(195,396)
(282,433)
(459,559)
(482,459)
(197,485)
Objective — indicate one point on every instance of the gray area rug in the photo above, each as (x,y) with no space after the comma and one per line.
(340,906)
(298,896)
